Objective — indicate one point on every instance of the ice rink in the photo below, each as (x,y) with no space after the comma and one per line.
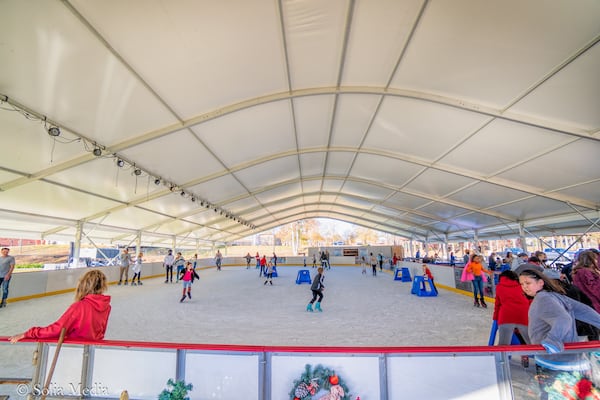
(233,306)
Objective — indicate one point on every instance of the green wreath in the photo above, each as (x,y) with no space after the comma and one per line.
(312,380)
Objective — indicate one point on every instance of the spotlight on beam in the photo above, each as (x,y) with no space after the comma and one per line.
(157,181)
(137,172)
(120,163)
(97,151)
(54,131)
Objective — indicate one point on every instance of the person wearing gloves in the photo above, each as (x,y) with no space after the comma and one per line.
(552,318)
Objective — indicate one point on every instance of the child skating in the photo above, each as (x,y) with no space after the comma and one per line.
(187,276)
(269,273)
(317,290)
(137,270)
(427,273)
(363,264)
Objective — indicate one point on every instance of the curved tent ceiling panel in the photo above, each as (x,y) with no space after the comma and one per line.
(210,121)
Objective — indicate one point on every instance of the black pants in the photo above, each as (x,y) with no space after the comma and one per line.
(169,270)
(136,275)
(317,293)
(374,269)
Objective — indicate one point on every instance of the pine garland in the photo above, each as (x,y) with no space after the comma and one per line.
(572,386)
(312,380)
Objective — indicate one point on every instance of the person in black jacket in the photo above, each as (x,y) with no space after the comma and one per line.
(317,290)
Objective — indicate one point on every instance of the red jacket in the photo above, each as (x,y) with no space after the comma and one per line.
(85,319)
(428,273)
(511,306)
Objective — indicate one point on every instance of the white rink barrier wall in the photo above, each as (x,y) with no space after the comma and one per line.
(105,369)
(27,285)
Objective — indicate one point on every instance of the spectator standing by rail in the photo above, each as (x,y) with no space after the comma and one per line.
(124,268)
(7,265)
(168,265)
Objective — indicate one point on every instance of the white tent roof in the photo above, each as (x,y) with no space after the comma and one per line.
(413,117)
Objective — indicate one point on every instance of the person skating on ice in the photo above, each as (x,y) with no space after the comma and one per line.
(137,270)
(187,277)
(168,265)
(179,265)
(317,291)
(373,262)
(429,275)
(363,264)
(269,273)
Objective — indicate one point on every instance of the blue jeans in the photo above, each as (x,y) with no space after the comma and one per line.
(478,286)
(5,283)
(179,270)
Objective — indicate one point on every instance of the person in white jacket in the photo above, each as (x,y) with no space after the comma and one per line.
(168,266)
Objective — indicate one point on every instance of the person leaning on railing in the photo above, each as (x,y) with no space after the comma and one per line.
(85,319)
(552,317)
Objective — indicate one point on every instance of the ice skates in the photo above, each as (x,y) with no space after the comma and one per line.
(483,303)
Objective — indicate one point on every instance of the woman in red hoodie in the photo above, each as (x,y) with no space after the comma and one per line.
(85,319)
(511,308)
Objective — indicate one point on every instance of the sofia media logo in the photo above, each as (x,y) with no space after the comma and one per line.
(96,389)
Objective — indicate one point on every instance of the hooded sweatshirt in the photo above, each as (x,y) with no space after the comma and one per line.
(85,319)
(552,323)
(511,305)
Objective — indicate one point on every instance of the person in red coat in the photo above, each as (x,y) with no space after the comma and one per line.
(263,265)
(511,308)
(85,319)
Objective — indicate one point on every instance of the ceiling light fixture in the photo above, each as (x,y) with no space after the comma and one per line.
(120,163)
(137,171)
(157,181)
(182,193)
(54,131)
(97,151)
